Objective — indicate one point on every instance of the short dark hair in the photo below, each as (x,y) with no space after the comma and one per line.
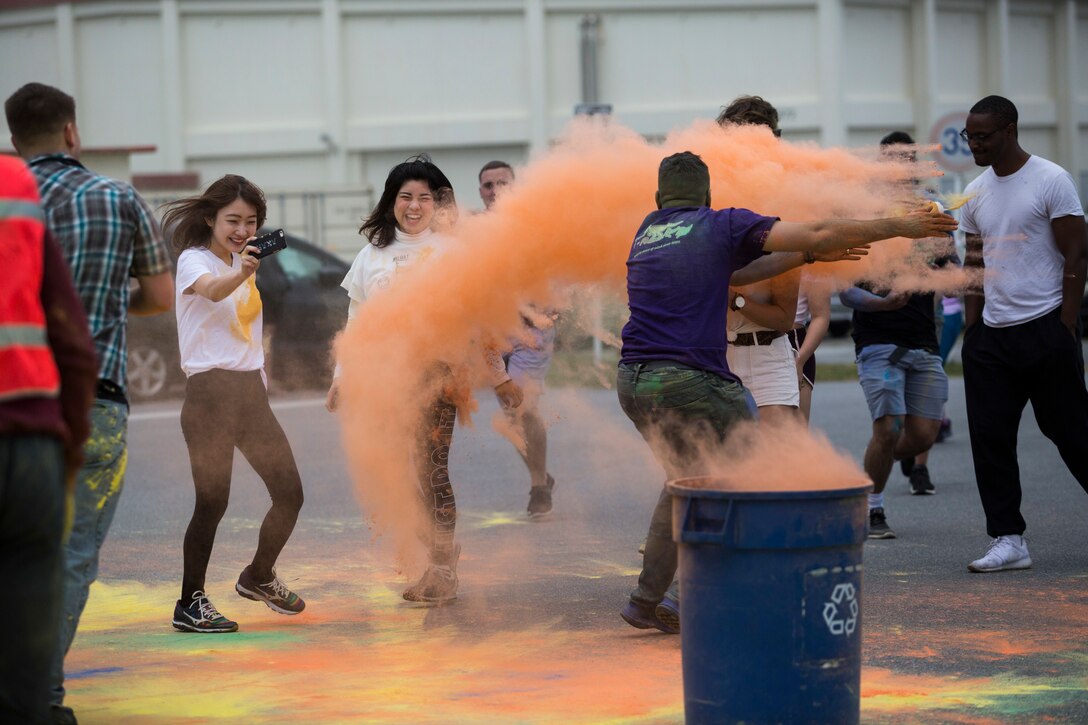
(999,107)
(896,138)
(682,176)
(381,226)
(751,110)
(494,165)
(38,110)
(188,217)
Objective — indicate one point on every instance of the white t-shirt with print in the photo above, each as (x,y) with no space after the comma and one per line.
(224,334)
(1012,214)
(376,268)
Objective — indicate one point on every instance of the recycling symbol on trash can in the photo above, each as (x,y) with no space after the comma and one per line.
(841,612)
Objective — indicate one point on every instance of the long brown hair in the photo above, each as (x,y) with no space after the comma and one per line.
(189,217)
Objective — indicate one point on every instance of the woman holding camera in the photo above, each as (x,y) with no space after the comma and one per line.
(226,402)
(401,235)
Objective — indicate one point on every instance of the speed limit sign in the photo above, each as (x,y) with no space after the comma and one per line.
(952,153)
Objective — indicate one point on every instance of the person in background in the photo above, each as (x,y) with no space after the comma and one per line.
(220,338)
(895,338)
(810,327)
(48,381)
(761,354)
(1026,235)
(527,363)
(952,312)
(120,266)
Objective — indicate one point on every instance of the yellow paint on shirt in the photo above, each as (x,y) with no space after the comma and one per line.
(247,307)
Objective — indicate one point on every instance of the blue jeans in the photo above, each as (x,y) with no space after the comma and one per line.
(98,488)
(681,412)
(31,529)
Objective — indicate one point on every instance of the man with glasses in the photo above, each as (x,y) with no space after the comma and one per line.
(1026,235)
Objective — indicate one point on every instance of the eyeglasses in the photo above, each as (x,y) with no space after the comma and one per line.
(980,137)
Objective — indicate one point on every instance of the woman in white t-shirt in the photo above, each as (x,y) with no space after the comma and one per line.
(401,234)
(226,402)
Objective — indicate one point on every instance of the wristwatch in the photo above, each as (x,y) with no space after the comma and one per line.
(737,304)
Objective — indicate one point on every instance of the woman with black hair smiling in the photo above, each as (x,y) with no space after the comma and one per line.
(401,235)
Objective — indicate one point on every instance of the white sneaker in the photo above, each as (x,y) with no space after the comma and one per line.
(1005,552)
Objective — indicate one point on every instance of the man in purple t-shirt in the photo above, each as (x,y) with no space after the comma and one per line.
(673,380)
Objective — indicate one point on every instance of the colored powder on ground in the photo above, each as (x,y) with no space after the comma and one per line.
(569,220)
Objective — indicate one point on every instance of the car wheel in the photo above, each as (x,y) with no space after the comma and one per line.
(147,372)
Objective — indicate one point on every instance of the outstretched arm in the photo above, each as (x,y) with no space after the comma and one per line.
(836,234)
(774,264)
(858,299)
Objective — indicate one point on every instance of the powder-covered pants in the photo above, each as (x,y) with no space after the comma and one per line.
(432,457)
(224,410)
(98,489)
(31,564)
(679,411)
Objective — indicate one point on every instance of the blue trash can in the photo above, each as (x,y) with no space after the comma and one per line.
(770,602)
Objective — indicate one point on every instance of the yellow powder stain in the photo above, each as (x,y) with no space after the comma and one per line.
(247,307)
(955,201)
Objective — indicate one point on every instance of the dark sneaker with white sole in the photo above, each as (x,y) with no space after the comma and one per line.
(200,615)
(275,593)
(878,525)
(540,499)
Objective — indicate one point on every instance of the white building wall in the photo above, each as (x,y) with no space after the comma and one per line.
(328,94)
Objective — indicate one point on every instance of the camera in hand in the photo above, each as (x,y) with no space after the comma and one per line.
(270,243)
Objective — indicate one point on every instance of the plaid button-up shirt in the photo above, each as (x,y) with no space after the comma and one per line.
(108,235)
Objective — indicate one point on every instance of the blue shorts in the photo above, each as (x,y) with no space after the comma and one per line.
(913,385)
(530,358)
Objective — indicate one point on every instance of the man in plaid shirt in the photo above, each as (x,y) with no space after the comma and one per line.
(109,237)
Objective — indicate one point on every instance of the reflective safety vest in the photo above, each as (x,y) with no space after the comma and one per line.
(27,367)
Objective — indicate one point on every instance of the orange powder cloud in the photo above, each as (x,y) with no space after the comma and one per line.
(569,220)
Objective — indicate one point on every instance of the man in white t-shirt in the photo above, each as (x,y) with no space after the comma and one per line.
(1026,232)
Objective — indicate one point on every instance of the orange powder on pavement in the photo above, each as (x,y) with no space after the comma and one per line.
(569,220)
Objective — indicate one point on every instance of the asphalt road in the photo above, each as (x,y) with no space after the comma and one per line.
(940,644)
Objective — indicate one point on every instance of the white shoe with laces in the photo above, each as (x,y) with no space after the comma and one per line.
(1005,552)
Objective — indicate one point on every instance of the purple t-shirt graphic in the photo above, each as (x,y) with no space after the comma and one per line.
(678,283)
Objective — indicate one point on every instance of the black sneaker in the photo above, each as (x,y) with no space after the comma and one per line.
(641,616)
(275,593)
(540,499)
(668,611)
(906,465)
(200,615)
(919,481)
(878,525)
(62,715)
